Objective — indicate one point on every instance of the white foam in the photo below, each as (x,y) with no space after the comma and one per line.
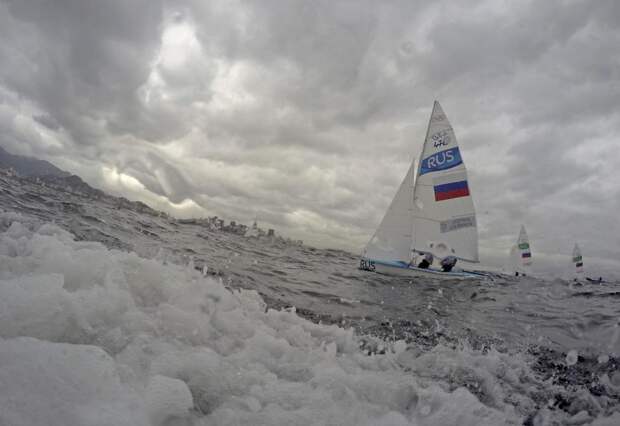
(167,400)
(44,383)
(572,357)
(113,338)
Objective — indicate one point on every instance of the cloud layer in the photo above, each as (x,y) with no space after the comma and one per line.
(308,113)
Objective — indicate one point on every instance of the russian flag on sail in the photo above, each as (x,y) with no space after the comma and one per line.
(448,191)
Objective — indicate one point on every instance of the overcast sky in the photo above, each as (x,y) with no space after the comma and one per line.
(307,113)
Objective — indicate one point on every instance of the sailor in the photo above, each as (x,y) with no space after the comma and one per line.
(447,263)
(426,261)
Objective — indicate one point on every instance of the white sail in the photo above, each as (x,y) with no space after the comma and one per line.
(577,259)
(515,258)
(444,208)
(392,240)
(523,247)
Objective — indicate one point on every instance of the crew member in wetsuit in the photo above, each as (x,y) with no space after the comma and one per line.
(447,263)
(426,261)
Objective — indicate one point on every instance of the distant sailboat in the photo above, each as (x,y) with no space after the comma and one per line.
(432,209)
(521,253)
(577,260)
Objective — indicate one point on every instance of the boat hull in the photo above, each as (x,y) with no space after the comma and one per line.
(403,269)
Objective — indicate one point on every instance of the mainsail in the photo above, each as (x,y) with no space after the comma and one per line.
(392,240)
(577,259)
(443,206)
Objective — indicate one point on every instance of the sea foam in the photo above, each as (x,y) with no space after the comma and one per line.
(92,336)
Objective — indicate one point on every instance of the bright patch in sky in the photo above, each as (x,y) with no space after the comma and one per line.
(120,180)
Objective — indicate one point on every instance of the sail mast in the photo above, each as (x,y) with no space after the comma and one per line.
(417,173)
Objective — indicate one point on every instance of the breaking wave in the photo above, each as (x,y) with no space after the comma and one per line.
(93,336)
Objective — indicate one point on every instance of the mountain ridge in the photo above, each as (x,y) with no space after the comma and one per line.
(30,166)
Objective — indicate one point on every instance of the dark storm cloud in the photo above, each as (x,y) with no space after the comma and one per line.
(81,61)
(308,113)
(47,121)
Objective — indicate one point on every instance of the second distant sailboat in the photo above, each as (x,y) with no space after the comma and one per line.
(521,254)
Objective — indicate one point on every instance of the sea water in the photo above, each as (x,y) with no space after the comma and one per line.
(106,317)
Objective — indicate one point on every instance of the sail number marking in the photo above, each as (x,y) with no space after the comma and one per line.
(441,138)
(367,265)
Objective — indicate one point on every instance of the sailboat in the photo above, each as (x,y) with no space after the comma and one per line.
(520,253)
(577,260)
(432,210)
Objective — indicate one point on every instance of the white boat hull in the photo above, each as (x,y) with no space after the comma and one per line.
(403,269)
